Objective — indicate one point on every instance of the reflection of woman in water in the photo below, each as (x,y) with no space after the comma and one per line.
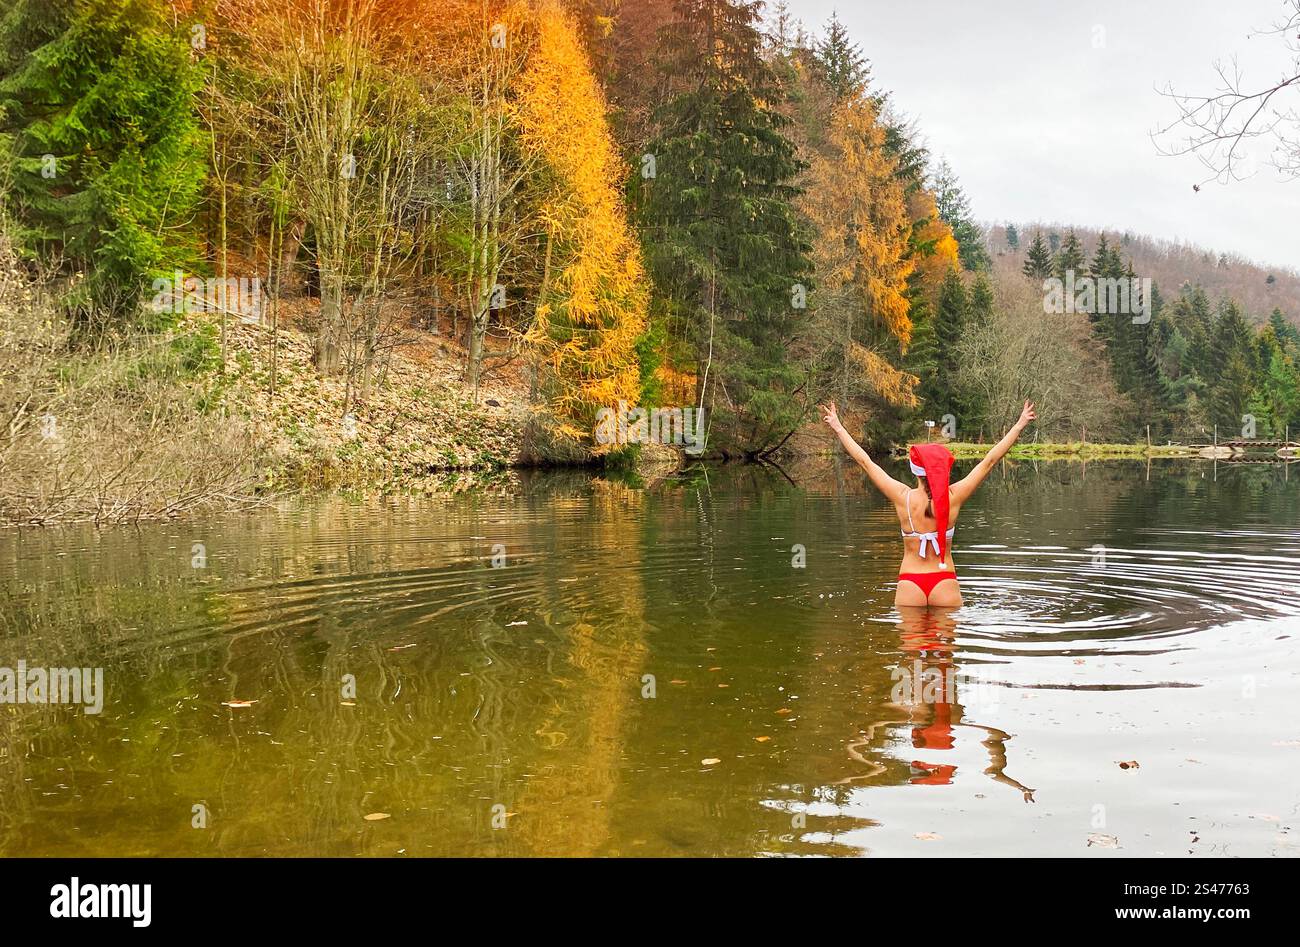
(930,703)
(928,521)
(934,712)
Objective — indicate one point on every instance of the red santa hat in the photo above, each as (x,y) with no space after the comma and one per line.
(934,463)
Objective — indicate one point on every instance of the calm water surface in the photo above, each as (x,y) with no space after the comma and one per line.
(649,672)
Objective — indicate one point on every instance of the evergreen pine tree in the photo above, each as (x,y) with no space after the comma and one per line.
(1288,335)
(941,335)
(923,358)
(1280,391)
(1231,378)
(1184,386)
(1070,257)
(1185,358)
(1103,323)
(1126,340)
(840,60)
(954,209)
(981,300)
(979,311)
(725,250)
(1130,339)
(903,143)
(96,111)
(1013,237)
(1038,260)
(1195,321)
(1154,395)
(1101,259)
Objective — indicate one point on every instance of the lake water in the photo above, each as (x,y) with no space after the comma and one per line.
(564,665)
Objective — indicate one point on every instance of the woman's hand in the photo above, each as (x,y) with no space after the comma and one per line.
(831,416)
(1026,415)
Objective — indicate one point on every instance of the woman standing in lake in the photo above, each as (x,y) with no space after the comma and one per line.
(928,511)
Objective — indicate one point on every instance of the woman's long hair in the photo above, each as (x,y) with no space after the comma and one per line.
(929,506)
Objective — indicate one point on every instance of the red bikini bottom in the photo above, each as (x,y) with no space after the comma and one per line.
(926,581)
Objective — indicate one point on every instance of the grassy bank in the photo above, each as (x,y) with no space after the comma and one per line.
(1077,450)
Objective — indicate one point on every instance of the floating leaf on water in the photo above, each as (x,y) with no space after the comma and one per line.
(1102,841)
(785,710)
(710,761)
(512,624)
(377,816)
(347,703)
(238,703)
(762,739)
(676,682)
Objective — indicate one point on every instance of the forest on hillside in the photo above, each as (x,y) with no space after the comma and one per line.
(1258,288)
(691,203)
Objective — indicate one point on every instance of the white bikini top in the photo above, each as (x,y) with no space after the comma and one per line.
(931,537)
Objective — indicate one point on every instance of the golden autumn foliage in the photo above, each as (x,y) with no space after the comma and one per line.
(892,385)
(932,232)
(512,178)
(859,207)
(867,228)
(593,301)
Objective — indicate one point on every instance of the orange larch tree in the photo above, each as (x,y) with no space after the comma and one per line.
(859,209)
(592,299)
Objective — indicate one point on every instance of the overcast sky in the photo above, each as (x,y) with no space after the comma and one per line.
(1045,108)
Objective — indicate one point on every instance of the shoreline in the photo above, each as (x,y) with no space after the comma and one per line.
(1068,450)
(646,470)
(257,424)
(1082,450)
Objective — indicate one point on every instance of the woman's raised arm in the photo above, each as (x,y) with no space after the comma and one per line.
(883,481)
(963,488)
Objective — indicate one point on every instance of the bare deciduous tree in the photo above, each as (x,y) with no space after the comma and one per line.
(1214,127)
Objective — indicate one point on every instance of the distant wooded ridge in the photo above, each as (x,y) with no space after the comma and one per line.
(1257,287)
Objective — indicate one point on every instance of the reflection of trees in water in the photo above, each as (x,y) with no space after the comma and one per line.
(454,709)
(19,798)
(458,709)
(78,597)
(566,807)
